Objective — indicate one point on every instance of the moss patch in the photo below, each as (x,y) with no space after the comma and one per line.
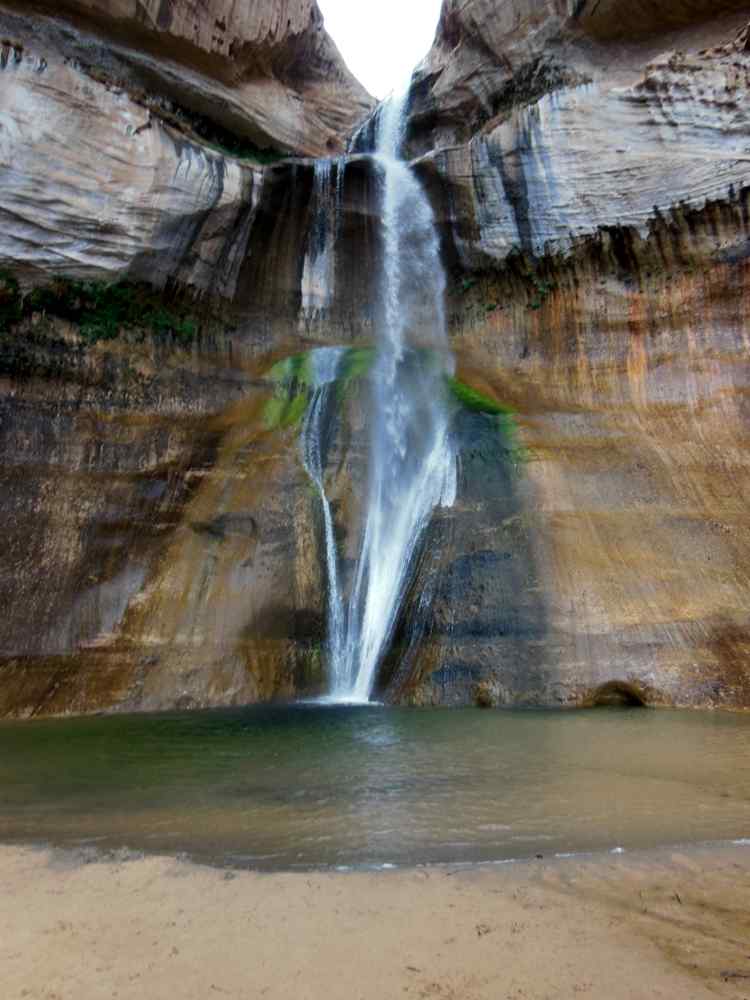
(469,398)
(473,399)
(293,382)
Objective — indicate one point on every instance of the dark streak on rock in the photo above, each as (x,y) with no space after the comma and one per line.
(164,16)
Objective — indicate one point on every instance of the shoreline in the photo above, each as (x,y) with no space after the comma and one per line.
(323,702)
(86,853)
(665,922)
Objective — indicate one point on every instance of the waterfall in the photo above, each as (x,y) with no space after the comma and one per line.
(412,468)
(325,365)
(319,268)
(411,463)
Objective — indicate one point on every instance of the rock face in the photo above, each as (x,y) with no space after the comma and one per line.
(104,163)
(118,412)
(589,168)
(532,183)
(492,56)
(161,534)
(267,72)
(122,193)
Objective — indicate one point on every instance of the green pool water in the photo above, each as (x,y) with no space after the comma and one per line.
(316,786)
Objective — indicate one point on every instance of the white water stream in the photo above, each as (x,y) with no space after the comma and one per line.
(411,462)
(326,362)
(319,268)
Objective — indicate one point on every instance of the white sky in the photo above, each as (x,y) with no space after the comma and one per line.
(381,40)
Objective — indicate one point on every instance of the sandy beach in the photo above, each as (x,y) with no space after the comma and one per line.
(648,925)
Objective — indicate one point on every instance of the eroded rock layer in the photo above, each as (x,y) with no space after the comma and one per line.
(493,56)
(151,261)
(267,72)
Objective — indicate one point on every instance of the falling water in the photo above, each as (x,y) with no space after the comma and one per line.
(319,269)
(411,464)
(412,467)
(325,364)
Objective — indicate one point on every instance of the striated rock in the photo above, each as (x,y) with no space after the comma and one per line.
(264,71)
(117,455)
(162,542)
(117,127)
(94,186)
(491,57)
(630,381)
(157,538)
(477,607)
(598,236)
(97,186)
(590,157)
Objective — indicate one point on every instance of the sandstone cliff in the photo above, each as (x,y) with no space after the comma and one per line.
(267,72)
(493,56)
(129,135)
(590,172)
(152,248)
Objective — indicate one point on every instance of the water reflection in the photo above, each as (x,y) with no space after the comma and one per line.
(336,785)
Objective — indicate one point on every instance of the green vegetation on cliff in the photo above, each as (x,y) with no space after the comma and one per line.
(471,399)
(293,382)
(103,309)
(475,400)
(100,309)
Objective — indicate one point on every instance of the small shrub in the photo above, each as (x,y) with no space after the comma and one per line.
(62,298)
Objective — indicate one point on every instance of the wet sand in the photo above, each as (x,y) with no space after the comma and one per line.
(662,924)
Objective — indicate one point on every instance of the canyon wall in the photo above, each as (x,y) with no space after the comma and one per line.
(160,253)
(590,168)
(158,548)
